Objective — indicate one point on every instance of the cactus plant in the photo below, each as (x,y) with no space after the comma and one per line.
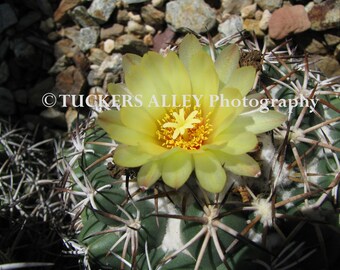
(140,218)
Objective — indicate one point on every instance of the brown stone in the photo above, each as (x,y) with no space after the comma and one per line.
(64,6)
(288,19)
(114,31)
(325,15)
(163,39)
(70,81)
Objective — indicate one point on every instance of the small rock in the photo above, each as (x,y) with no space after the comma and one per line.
(65,5)
(7,17)
(157,3)
(251,25)
(93,79)
(65,47)
(135,17)
(309,6)
(231,26)
(101,10)
(45,7)
(163,39)
(81,62)
(38,90)
(337,52)
(24,52)
(148,40)
(112,63)
(152,16)
(325,15)
(109,45)
(149,29)
(97,56)
(27,20)
(47,25)
(20,96)
(135,28)
(123,16)
(70,81)
(4,72)
(258,15)
(7,104)
(55,117)
(234,7)
(332,39)
(87,39)
(80,16)
(130,44)
(111,32)
(271,5)
(61,64)
(329,66)
(264,22)
(316,47)
(288,19)
(248,11)
(186,14)
(4,45)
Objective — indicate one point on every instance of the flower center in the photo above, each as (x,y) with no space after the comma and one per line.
(185,128)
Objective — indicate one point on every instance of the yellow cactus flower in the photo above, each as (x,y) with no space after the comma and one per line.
(174,139)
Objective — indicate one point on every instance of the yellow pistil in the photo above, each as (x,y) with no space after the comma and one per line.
(186,128)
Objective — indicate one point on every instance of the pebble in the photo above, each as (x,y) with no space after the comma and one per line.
(108,46)
(258,15)
(53,116)
(186,14)
(148,40)
(232,25)
(61,64)
(135,28)
(60,14)
(47,25)
(332,39)
(93,79)
(123,16)
(87,39)
(4,45)
(70,81)
(157,3)
(7,17)
(271,5)
(45,7)
(309,6)
(101,10)
(248,11)
(38,90)
(112,64)
(325,15)
(337,52)
(234,7)
(97,56)
(263,24)
(80,16)
(27,20)
(251,25)
(111,32)
(65,47)
(316,47)
(329,66)
(149,29)
(152,16)
(135,17)
(4,72)
(7,104)
(130,44)
(288,19)
(163,39)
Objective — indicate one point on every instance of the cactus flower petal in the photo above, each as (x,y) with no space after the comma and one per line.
(210,174)
(177,169)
